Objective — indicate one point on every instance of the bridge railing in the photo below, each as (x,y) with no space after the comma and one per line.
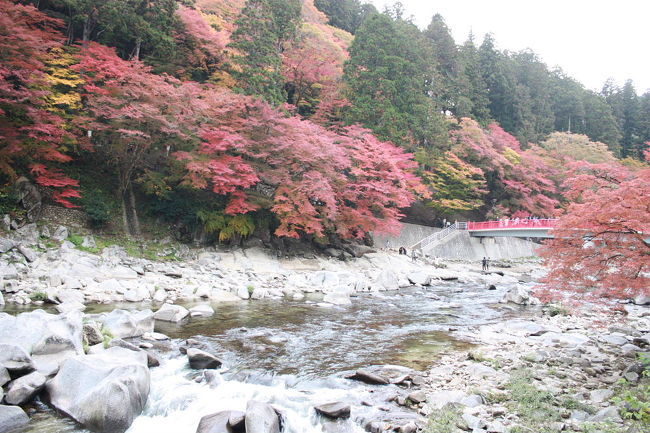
(515,223)
(440,235)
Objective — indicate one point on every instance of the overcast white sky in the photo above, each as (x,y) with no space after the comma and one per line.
(590,39)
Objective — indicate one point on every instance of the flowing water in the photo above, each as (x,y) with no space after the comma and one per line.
(295,355)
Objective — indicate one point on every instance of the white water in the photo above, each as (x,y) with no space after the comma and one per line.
(177,403)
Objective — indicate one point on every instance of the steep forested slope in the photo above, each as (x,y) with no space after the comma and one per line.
(231,117)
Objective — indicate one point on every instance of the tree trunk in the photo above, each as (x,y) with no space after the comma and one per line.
(87,30)
(130,214)
(136,50)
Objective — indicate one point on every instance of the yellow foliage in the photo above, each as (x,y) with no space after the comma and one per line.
(64,82)
(512,156)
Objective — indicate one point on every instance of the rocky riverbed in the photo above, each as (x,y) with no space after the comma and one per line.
(243,341)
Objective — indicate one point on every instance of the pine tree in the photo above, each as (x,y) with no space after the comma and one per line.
(474,100)
(388,77)
(263,27)
(445,62)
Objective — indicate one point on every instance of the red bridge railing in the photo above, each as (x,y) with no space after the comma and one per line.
(512,224)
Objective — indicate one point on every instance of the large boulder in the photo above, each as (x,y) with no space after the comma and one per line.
(6,244)
(171,313)
(48,338)
(60,234)
(12,417)
(340,296)
(105,391)
(369,378)
(15,359)
(261,418)
(203,310)
(127,324)
(199,359)
(519,295)
(387,280)
(23,389)
(228,421)
(419,278)
(642,299)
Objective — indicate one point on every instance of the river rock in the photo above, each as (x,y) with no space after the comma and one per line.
(21,390)
(60,234)
(417,397)
(334,410)
(229,421)
(92,333)
(337,298)
(199,359)
(259,293)
(387,280)
(68,307)
(28,253)
(6,245)
(420,278)
(71,292)
(243,293)
(369,378)
(171,313)
(127,324)
(261,418)
(600,395)
(15,359)
(642,300)
(29,234)
(12,417)
(4,377)
(203,310)
(519,295)
(104,391)
(48,338)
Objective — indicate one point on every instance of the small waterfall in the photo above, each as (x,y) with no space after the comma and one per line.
(177,403)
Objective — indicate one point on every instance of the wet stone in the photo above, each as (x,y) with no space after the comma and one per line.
(334,410)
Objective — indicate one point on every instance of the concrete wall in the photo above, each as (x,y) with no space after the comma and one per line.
(461,246)
(410,235)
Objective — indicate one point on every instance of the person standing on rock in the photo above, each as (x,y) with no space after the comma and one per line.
(487,264)
(484,263)
(414,255)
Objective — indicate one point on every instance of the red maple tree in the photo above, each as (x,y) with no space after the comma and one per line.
(601,245)
(31,135)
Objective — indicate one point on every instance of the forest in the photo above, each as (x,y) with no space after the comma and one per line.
(313,119)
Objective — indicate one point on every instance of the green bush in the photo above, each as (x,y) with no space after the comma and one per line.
(98,208)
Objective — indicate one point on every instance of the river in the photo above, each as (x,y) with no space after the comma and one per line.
(295,355)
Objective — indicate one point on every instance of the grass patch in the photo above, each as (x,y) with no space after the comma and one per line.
(536,408)
(153,251)
(553,310)
(445,420)
(108,337)
(634,399)
(480,357)
(38,296)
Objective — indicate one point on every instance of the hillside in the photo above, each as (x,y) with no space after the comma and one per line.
(220,120)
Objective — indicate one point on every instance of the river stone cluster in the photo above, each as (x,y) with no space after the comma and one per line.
(43,266)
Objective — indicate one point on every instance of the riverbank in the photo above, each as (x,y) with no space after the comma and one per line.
(555,371)
(41,267)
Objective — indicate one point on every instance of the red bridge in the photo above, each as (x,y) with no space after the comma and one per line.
(511,226)
(518,228)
